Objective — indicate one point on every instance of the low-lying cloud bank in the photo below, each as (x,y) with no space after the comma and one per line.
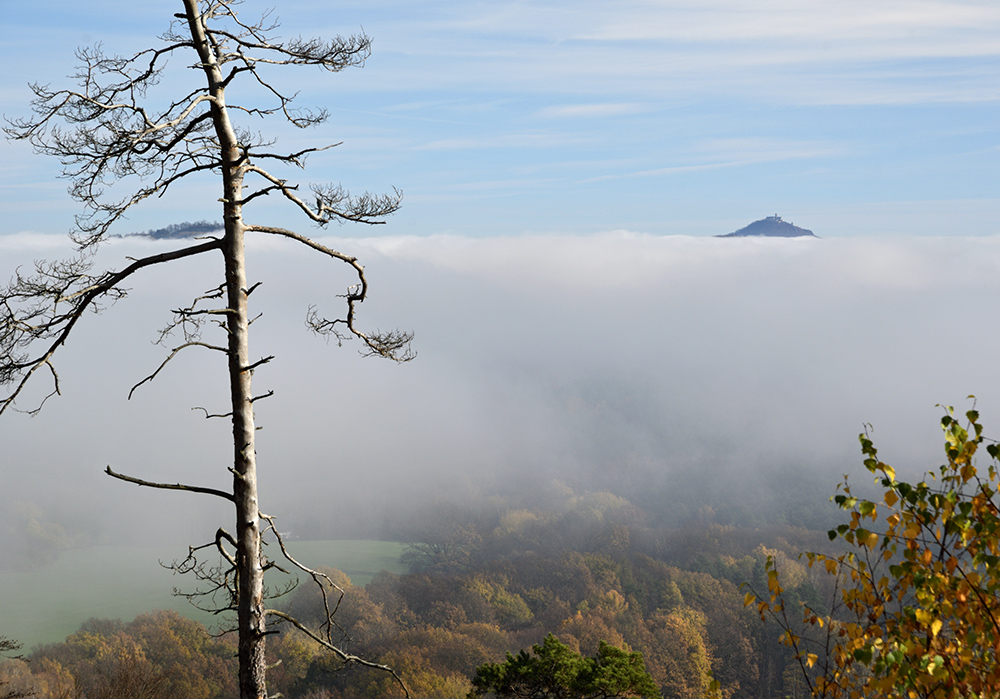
(675,371)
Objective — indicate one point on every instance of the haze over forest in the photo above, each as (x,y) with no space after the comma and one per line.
(674,371)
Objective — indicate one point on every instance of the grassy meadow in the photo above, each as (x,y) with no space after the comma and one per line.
(121,582)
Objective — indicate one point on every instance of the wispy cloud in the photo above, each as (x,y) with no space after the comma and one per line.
(514,140)
(593,110)
(718,154)
(779,49)
(879,29)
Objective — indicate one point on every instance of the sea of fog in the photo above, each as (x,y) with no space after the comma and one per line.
(674,371)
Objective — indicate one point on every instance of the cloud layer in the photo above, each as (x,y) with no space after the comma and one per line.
(675,369)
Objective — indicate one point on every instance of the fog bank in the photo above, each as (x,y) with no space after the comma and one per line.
(674,371)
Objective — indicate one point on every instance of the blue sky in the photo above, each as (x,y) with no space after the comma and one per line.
(661,117)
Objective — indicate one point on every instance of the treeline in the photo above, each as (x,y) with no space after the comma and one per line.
(485,582)
(180,230)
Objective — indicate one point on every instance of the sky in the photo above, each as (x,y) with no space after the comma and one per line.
(565,167)
(845,117)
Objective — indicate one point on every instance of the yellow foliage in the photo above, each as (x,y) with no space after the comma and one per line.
(918,592)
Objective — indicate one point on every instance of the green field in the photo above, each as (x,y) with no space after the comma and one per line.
(120,582)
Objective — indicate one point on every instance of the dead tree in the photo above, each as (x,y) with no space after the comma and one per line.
(112,136)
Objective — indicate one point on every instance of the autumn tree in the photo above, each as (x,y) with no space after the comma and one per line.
(552,670)
(7,646)
(119,145)
(917,606)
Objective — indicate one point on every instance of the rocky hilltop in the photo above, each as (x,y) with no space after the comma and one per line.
(770,227)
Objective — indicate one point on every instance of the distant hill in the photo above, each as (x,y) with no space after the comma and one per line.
(771,227)
(179,230)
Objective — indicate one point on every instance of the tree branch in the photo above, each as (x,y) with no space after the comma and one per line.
(170,486)
(333,203)
(254,365)
(211,415)
(14,333)
(347,658)
(393,344)
(173,354)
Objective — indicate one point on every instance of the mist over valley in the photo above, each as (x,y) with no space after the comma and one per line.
(675,372)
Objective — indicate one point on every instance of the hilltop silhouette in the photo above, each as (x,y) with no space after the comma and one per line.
(770,227)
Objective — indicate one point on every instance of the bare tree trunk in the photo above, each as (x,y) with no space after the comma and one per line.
(251,613)
(249,574)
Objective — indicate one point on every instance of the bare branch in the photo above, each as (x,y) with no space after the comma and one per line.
(189,320)
(334,203)
(170,486)
(256,364)
(40,320)
(221,579)
(393,345)
(173,354)
(211,415)
(113,137)
(321,579)
(347,658)
(54,392)
(221,534)
(297,158)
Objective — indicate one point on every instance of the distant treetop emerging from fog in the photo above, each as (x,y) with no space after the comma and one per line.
(179,230)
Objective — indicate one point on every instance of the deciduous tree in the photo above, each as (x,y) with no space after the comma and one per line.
(554,671)
(120,145)
(917,607)
(10,646)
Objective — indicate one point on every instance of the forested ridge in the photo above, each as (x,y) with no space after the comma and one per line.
(485,582)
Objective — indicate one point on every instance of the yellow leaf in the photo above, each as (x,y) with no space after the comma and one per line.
(936,627)
(811,659)
(749,599)
(891,498)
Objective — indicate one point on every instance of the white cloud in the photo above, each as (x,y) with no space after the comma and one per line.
(593,110)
